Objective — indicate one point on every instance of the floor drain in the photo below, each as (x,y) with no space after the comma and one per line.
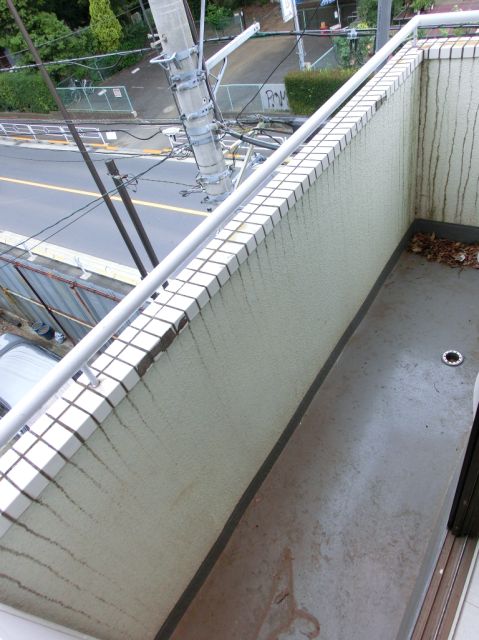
(452,358)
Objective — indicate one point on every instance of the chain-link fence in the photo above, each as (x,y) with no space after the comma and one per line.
(327,61)
(87,98)
(232,26)
(324,16)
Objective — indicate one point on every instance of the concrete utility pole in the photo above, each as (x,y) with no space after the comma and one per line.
(188,82)
(146,18)
(384,23)
(130,208)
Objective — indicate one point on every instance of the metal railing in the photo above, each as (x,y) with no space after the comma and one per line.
(48,131)
(78,357)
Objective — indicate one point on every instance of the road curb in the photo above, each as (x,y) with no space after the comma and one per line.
(61,145)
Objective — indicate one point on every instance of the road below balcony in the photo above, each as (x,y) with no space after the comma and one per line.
(334,543)
(52,190)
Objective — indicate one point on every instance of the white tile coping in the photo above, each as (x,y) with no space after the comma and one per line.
(450,48)
(38,455)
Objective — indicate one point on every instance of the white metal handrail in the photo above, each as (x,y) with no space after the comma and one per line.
(102,332)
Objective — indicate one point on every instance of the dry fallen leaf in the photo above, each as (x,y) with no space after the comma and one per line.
(452,253)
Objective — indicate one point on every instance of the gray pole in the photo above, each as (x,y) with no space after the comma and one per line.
(146,18)
(299,39)
(130,207)
(384,23)
(193,99)
(79,142)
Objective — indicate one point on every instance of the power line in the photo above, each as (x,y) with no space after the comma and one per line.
(51,161)
(76,61)
(277,66)
(96,202)
(67,35)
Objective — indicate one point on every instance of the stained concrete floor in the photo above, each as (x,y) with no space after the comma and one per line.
(332,544)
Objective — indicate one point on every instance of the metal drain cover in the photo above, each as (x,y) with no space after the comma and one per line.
(452,358)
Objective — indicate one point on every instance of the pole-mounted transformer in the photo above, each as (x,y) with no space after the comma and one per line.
(188,81)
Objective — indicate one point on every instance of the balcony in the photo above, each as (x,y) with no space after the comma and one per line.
(281,407)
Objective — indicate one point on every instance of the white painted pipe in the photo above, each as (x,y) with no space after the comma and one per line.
(21,413)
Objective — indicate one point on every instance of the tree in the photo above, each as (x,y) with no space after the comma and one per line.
(368,10)
(75,14)
(104,25)
(52,37)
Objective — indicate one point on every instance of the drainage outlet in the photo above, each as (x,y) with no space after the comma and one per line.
(452,358)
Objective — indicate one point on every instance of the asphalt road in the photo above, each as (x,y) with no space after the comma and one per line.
(38,187)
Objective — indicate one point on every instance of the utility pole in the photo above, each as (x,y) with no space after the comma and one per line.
(79,142)
(384,23)
(146,18)
(188,82)
(130,207)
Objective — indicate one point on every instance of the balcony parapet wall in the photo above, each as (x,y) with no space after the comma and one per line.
(116,495)
(447,187)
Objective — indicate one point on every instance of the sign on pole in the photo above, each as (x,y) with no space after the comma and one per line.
(287,10)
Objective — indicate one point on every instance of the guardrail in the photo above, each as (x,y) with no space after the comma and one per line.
(48,131)
(78,357)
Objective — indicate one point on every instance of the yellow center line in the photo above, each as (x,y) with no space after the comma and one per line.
(95,194)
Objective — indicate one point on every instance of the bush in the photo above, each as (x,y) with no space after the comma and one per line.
(421,5)
(24,91)
(368,10)
(308,90)
(105,26)
(217,16)
(134,36)
(353,53)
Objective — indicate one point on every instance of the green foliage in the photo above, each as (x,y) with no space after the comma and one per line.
(44,28)
(308,90)
(134,36)
(355,52)
(105,26)
(75,14)
(368,10)
(421,5)
(195,7)
(24,91)
(218,16)
(26,8)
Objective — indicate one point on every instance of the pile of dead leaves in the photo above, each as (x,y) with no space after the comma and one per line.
(454,254)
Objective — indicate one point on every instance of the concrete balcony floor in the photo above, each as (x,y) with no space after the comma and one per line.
(332,544)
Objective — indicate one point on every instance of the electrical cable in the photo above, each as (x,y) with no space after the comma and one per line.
(301,35)
(181,184)
(51,161)
(128,133)
(68,35)
(96,202)
(129,121)
(75,61)
(254,141)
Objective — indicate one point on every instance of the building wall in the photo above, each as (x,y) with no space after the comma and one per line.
(139,476)
(448,164)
